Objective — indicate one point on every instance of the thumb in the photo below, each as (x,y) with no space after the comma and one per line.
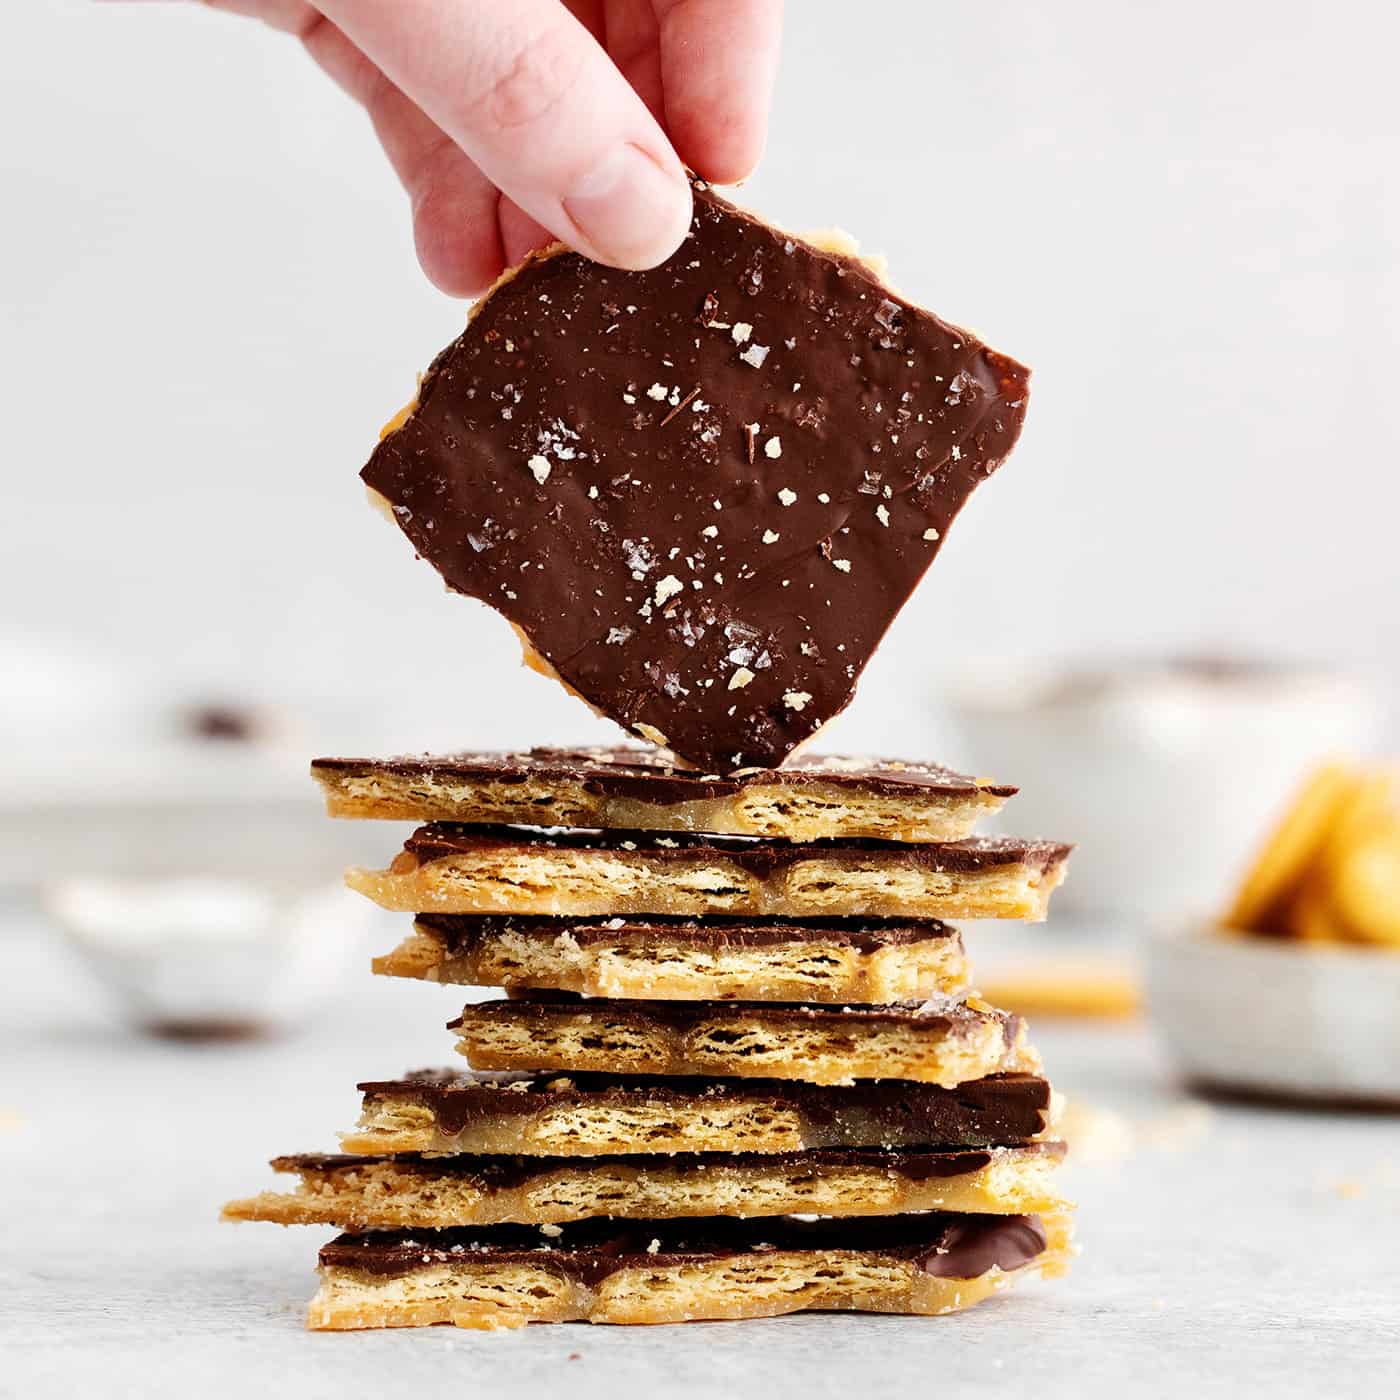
(531,97)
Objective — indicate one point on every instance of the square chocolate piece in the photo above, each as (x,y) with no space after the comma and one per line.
(702,492)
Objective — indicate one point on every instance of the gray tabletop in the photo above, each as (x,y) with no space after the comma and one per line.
(1227,1251)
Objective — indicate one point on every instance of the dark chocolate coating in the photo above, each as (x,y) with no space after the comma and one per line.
(651,775)
(1002,1109)
(759,855)
(705,490)
(503,1172)
(942,1244)
(543,1006)
(464,933)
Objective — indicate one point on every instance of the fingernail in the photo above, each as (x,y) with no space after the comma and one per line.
(629,211)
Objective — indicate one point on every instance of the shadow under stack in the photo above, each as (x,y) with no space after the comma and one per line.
(737,1072)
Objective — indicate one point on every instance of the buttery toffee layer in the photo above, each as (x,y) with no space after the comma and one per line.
(492,1172)
(940,1041)
(759,856)
(588,1251)
(722,958)
(412,1191)
(465,933)
(638,788)
(451,868)
(997,1110)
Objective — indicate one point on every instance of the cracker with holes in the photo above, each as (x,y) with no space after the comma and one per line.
(492,1277)
(888,799)
(933,1042)
(584,1114)
(435,1193)
(673,959)
(453,869)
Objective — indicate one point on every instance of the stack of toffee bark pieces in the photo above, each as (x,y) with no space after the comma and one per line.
(738,1071)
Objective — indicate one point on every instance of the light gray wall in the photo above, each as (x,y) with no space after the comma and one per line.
(1186,217)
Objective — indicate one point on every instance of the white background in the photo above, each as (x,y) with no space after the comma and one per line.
(1184,216)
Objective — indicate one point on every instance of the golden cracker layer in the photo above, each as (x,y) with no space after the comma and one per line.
(516,871)
(583,1115)
(681,960)
(932,1043)
(359,1193)
(475,1291)
(633,788)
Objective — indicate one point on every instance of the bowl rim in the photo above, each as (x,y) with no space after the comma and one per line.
(1209,930)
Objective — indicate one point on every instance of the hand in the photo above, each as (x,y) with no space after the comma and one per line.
(511,122)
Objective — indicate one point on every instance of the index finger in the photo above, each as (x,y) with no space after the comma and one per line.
(718,62)
(528,94)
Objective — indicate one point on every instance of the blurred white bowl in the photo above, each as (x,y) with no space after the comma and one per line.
(71,691)
(202,957)
(1278,1017)
(1165,774)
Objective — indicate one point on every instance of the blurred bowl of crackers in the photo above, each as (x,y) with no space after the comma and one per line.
(1164,768)
(198,957)
(1294,991)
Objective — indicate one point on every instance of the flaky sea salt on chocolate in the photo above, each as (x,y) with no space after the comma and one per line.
(737,464)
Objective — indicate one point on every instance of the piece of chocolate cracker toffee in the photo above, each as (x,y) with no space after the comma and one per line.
(702,492)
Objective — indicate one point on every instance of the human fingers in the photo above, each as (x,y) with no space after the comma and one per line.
(718,62)
(293,16)
(455,207)
(541,110)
